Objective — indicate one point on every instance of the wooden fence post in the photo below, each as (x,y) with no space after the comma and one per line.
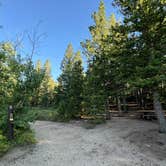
(10,123)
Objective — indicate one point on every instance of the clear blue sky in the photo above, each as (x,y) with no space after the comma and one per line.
(64,21)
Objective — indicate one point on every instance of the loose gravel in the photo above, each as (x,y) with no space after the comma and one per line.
(70,144)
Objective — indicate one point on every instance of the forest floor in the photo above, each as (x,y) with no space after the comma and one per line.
(119,142)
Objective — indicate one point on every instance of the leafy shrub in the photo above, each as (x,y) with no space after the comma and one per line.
(63,113)
(22,119)
(25,138)
(46,115)
(43,114)
(3,119)
(23,134)
(4,144)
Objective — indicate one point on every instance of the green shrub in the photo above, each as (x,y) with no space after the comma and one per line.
(25,138)
(3,118)
(48,114)
(45,115)
(4,144)
(20,138)
(63,114)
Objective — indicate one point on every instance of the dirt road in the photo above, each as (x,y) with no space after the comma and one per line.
(119,142)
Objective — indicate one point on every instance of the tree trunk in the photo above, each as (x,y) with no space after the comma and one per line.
(119,105)
(136,94)
(139,99)
(159,112)
(107,110)
(124,104)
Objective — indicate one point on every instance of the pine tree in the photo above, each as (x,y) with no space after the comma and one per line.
(100,30)
(70,85)
(102,62)
(145,21)
(39,66)
(77,85)
(47,68)
(64,85)
(47,86)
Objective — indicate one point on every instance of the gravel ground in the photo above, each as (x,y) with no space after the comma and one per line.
(119,142)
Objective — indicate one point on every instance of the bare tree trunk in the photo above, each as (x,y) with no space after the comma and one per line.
(141,99)
(159,112)
(124,104)
(107,110)
(119,105)
(137,98)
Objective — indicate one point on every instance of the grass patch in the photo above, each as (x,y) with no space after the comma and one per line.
(48,114)
(25,137)
(4,144)
(21,138)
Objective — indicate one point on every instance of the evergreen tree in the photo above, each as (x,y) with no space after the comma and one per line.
(39,66)
(102,62)
(100,30)
(64,82)
(46,91)
(77,85)
(145,21)
(70,85)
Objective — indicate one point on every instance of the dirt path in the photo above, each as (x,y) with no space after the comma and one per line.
(120,142)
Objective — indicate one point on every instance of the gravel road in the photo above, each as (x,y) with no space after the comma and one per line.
(63,144)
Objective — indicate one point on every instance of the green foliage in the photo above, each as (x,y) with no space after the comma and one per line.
(22,119)
(69,92)
(18,84)
(48,114)
(4,144)
(63,110)
(102,63)
(25,137)
(127,58)
(45,92)
(145,23)
(97,121)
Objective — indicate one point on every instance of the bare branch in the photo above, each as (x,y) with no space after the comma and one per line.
(35,38)
(18,42)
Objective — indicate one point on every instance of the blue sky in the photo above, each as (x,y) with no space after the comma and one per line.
(63,21)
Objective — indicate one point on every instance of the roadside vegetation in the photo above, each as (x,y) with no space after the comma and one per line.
(126,61)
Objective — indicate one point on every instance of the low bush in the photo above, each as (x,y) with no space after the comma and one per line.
(22,132)
(48,114)
(25,137)
(63,115)
(4,144)
(20,138)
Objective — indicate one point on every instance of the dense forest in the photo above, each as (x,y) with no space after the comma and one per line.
(126,62)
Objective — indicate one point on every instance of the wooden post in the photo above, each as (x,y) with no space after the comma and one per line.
(10,123)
